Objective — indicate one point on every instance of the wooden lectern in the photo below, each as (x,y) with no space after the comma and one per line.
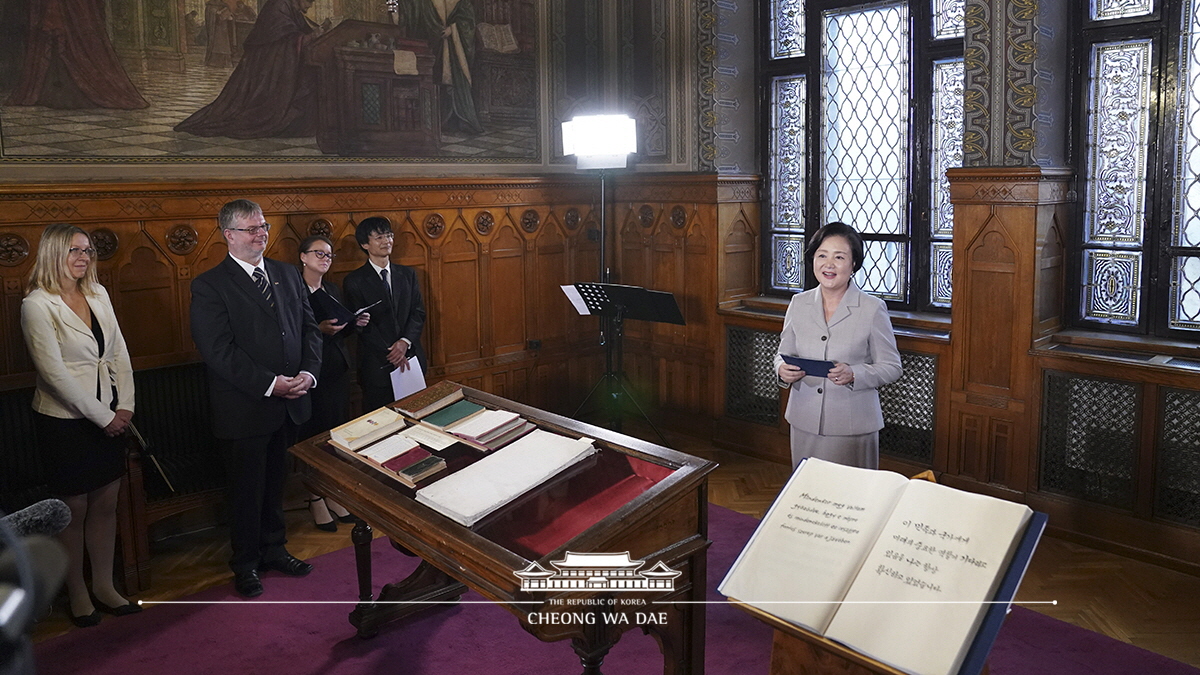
(375,91)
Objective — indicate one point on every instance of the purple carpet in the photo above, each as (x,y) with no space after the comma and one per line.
(311,639)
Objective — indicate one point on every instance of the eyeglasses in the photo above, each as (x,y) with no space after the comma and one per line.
(253,231)
(321,254)
(75,252)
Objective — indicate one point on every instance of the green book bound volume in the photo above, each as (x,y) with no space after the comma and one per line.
(452,413)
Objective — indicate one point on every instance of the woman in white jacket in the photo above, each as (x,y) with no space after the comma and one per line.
(82,405)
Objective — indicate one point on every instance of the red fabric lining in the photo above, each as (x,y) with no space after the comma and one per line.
(562,513)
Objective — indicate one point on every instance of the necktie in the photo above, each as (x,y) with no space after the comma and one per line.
(260,280)
(384,274)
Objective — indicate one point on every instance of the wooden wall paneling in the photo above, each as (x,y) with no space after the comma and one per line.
(457,295)
(634,265)
(583,257)
(738,217)
(551,312)
(1051,272)
(740,254)
(507,284)
(1007,222)
(991,275)
(667,264)
(699,303)
(146,281)
(18,250)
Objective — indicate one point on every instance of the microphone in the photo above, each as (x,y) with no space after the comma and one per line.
(47,517)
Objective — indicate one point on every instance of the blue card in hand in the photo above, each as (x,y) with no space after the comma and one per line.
(809,366)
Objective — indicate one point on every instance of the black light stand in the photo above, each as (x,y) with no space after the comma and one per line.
(614,303)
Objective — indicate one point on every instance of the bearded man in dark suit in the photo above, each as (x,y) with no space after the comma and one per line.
(394,333)
(255,330)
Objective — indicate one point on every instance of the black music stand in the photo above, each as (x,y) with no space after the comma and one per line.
(614,303)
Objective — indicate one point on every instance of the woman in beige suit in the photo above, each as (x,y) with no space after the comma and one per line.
(837,418)
(82,403)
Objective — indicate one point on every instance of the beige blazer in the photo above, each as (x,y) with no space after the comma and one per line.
(68,360)
(860,335)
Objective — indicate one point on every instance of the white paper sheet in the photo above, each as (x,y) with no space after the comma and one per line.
(409,381)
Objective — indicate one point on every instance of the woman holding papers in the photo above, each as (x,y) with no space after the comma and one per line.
(328,400)
(836,417)
(83,402)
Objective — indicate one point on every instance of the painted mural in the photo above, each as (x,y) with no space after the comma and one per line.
(451,80)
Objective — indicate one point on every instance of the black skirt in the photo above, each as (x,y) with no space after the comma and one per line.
(79,457)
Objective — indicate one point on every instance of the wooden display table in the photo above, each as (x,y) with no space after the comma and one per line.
(631,496)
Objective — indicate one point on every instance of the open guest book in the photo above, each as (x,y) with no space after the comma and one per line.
(913,574)
(467,496)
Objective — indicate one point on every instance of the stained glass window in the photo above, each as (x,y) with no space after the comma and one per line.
(788,155)
(788,267)
(1118,133)
(948,18)
(1140,221)
(787,28)
(1102,10)
(941,265)
(1112,286)
(947,134)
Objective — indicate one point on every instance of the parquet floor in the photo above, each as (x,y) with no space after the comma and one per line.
(1139,603)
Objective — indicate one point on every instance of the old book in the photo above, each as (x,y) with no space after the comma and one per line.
(402,458)
(455,412)
(470,494)
(430,399)
(497,442)
(486,425)
(900,570)
(387,449)
(420,470)
(497,37)
(363,431)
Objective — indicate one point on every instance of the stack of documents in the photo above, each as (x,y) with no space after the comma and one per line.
(483,487)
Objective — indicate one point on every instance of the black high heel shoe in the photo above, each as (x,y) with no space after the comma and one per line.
(348,518)
(331,526)
(122,610)
(86,621)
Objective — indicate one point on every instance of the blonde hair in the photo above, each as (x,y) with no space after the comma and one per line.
(51,264)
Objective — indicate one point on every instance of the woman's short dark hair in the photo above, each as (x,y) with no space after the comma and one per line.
(368,226)
(309,241)
(836,229)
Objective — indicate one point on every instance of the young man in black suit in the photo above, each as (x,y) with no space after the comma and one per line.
(255,330)
(394,333)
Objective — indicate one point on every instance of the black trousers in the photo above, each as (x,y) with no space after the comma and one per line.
(376,397)
(256,467)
